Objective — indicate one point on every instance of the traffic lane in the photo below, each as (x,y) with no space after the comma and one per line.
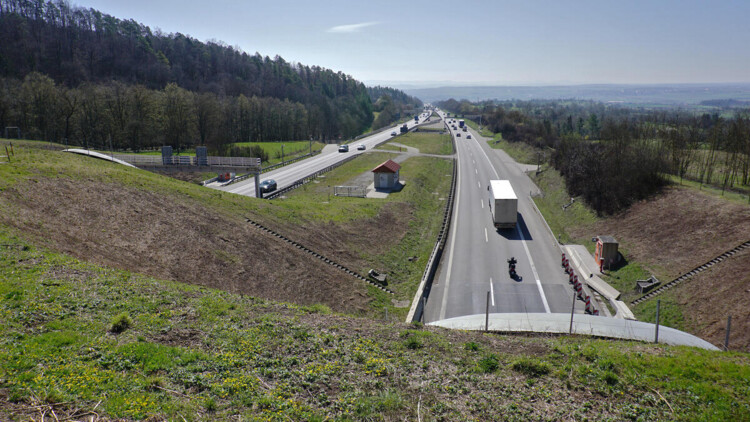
(479,256)
(289,174)
(542,246)
(514,243)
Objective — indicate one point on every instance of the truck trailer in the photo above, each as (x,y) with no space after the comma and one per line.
(503,204)
(461,123)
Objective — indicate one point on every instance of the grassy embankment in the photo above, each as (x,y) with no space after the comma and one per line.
(79,339)
(419,207)
(402,226)
(426,142)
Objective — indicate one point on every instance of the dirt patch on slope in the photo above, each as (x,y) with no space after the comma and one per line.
(676,232)
(709,297)
(165,237)
(350,242)
(679,230)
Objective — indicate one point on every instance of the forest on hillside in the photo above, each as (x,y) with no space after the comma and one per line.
(612,156)
(79,76)
(391,105)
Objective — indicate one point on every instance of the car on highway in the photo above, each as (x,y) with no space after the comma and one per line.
(468,136)
(394,133)
(343,148)
(361,147)
(268,185)
(458,135)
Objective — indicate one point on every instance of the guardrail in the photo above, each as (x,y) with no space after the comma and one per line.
(416,312)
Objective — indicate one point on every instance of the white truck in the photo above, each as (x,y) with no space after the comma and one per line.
(503,204)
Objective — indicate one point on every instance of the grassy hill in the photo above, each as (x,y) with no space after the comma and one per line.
(93,325)
(83,340)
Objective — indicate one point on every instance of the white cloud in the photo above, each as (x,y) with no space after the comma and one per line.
(357,27)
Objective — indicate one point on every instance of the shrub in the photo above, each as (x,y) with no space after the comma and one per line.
(210,404)
(121,323)
(471,346)
(413,343)
(488,364)
(531,367)
(610,378)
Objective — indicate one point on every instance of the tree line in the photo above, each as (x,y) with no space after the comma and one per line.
(93,58)
(392,105)
(613,155)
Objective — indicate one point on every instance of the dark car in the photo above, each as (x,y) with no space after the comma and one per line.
(268,185)
(343,148)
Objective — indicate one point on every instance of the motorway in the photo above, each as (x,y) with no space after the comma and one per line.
(474,260)
(285,176)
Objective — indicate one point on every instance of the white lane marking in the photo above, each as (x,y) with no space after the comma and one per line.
(533,269)
(480,186)
(476,171)
(481,201)
(486,239)
(488,160)
(444,305)
(492,292)
(473,162)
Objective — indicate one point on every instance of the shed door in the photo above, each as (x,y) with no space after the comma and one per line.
(383,180)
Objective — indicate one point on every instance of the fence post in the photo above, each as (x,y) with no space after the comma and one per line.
(726,338)
(656,334)
(572,309)
(487,314)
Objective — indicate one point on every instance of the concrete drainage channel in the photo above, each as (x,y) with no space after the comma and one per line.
(317,255)
(691,273)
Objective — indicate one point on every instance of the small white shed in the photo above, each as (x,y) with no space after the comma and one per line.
(386,175)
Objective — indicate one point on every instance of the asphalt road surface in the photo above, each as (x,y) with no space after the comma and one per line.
(285,176)
(474,261)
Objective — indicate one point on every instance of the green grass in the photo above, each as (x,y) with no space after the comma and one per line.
(550,205)
(203,354)
(427,142)
(484,132)
(390,147)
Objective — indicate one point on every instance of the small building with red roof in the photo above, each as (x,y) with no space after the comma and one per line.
(386,175)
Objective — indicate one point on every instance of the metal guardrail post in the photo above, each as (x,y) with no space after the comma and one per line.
(572,311)
(656,333)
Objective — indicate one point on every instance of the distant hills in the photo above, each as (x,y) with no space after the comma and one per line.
(668,94)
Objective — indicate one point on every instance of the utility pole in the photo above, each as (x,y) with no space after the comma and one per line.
(282,153)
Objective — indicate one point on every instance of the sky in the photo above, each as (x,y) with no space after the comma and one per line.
(490,42)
